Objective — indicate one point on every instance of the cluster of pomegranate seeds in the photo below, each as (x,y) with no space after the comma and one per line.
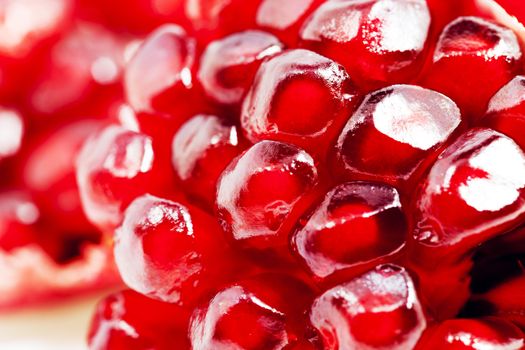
(288,175)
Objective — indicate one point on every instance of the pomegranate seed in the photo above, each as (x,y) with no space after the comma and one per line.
(165,250)
(159,76)
(121,323)
(201,150)
(228,65)
(356,223)
(394,131)
(113,168)
(379,310)
(506,111)
(260,313)
(465,334)
(299,97)
(469,50)
(471,194)
(257,193)
(386,38)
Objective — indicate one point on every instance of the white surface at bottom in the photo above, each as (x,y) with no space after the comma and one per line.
(58,326)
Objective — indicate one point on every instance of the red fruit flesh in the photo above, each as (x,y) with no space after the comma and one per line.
(228,65)
(470,49)
(11,132)
(201,150)
(299,97)
(386,38)
(355,224)
(394,131)
(258,191)
(375,311)
(165,250)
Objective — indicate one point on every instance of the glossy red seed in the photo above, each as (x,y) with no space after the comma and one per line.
(129,321)
(394,131)
(506,111)
(284,19)
(262,313)
(169,251)
(298,97)
(475,191)
(228,65)
(386,38)
(257,193)
(471,49)
(201,150)
(471,334)
(49,173)
(159,76)
(356,223)
(113,168)
(378,310)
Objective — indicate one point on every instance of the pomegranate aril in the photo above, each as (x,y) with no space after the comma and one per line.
(169,251)
(265,312)
(113,168)
(394,131)
(284,19)
(159,77)
(464,334)
(469,50)
(257,193)
(475,191)
(298,96)
(48,172)
(228,65)
(506,111)
(201,150)
(356,223)
(386,38)
(129,321)
(378,310)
